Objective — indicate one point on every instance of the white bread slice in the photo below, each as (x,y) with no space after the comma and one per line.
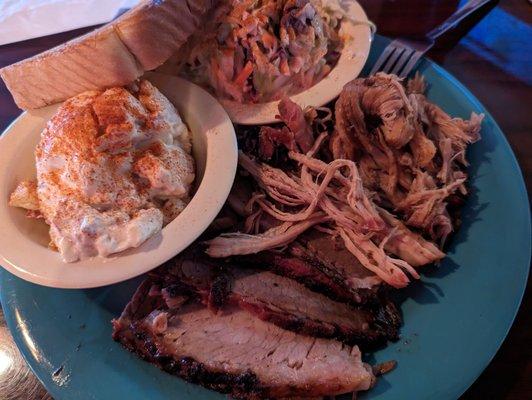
(154,31)
(96,60)
(114,55)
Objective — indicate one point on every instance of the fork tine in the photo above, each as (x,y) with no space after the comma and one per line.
(382,59)
(403,60)
(411,64)
(393,58)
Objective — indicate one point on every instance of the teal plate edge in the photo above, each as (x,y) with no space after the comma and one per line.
(56,380)
(524,200)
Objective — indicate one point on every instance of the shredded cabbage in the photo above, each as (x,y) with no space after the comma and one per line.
(261,50)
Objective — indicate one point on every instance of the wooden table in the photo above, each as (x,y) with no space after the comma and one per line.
(493,60)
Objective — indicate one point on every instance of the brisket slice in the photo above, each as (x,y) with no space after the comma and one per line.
(322,263)
(233,352)
(280,300)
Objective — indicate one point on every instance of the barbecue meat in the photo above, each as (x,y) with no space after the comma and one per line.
(323,264)
(279,300)
(333,254)
(299,203)
(234,352)
(410,152)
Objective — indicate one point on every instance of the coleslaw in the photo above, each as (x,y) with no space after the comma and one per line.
(254,51)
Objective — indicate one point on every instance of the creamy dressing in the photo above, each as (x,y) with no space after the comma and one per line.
(112,168)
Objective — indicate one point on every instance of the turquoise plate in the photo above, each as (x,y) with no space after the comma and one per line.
(454,321)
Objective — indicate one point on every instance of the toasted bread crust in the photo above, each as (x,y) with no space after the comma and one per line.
(153,32)
(114,55)
(70,68)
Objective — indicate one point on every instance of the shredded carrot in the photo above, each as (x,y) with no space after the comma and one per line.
(244,74)
(269,40)
(284,68)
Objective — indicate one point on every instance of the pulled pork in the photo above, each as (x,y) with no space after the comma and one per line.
(410,152)
(392,152)
(296,135)
(330,196)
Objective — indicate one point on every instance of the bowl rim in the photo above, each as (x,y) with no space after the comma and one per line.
(35,263)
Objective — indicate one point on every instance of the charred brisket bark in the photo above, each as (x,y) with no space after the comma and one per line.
(235,353)
(282,301)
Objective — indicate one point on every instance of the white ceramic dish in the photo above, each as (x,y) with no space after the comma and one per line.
(356,30)
(24,246)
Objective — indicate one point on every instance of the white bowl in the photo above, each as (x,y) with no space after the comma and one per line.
(356,29)
(24,242)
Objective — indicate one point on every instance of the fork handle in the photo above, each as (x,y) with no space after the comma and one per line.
(470,7)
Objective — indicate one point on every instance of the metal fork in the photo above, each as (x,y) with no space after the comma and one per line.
(402,55)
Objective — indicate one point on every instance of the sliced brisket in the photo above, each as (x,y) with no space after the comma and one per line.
(233,352)
(322,263)
(282,301)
